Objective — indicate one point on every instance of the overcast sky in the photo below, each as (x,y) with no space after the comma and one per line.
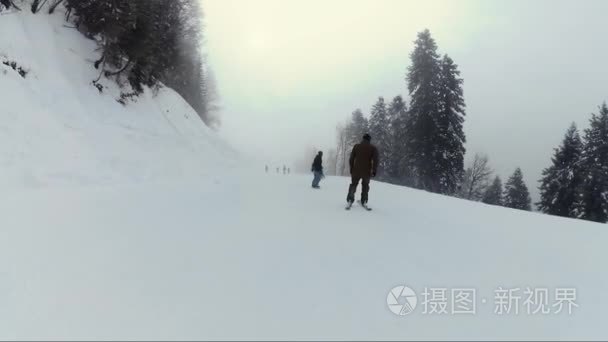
(289,71)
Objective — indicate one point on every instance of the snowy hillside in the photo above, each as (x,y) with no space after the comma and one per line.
(168,240)
(55,127)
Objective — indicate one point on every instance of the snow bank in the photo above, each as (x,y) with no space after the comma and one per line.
(56,128)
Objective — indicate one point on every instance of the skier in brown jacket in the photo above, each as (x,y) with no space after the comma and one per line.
(363,165)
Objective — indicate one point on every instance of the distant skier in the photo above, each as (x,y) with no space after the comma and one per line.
(288,170)
(266,168)
(284,169)
(317,169)
(278,170)
(363,165)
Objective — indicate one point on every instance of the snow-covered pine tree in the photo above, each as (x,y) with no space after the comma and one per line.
(113,21)
(148,43)
(379,128)
(593,204)
(516,194)
(422,131)
(450,138)
(493,194)
(560,183)
(397,168)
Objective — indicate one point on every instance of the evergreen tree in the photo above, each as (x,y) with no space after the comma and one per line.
(493,194)
(593,205)
(152,45)
(560,182)
(450,139)
(516,194)
(113,21)
(342,149)
(423,86)
(397,168)
(188,72)
(149,43)
(357,128)
(379,128)
(434,136)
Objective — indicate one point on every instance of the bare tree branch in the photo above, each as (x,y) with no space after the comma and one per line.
(476,178)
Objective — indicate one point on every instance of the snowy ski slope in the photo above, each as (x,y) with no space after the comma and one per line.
(136,223)
(265,256)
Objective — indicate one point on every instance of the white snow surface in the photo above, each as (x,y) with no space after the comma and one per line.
(134,223)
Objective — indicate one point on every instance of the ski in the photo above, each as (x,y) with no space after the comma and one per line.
(350,204)
(364,205)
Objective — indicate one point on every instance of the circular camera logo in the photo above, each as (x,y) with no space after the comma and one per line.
(401,300)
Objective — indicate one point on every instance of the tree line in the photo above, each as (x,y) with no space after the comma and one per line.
(479,183)
(575,185)
(423,147)
(145,43)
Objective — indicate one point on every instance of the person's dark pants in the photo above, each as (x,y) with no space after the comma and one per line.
(317,178)
(353,188)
